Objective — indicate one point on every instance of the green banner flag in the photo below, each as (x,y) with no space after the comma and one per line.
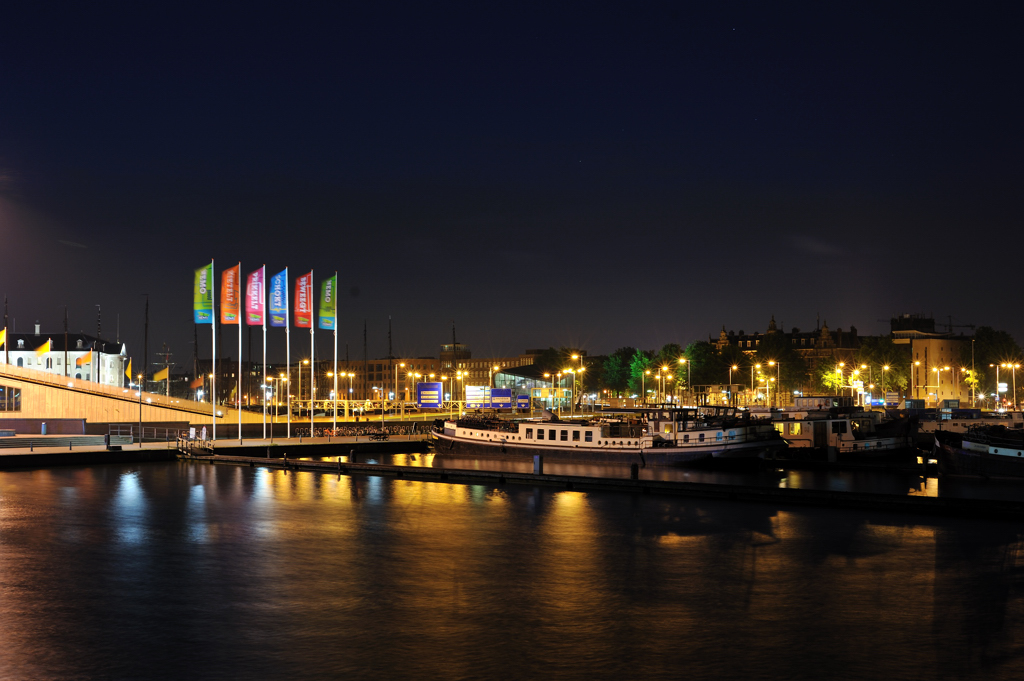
(329,303)
(202,299)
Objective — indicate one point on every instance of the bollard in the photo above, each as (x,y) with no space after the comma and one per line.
(538,464)
(634,471)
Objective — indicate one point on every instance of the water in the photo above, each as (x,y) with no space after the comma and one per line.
(185,570)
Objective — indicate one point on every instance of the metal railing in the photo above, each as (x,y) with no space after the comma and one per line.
(191,447)
(148,433)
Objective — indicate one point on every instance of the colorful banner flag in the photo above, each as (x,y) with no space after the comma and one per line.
(196,384)
(230,295)
(3,336)
(202,297)
(255,298)
(162,375)
(329,303)
(128,371)
(279,299)
(84,359)
(304,301)
(44,348)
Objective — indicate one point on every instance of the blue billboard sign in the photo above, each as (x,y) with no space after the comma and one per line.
(478,397)
(430,395)
(501,398)
(522,401)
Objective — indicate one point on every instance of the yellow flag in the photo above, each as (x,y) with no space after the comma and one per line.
(162,374)
(3,336)
(128,371)
(43,349)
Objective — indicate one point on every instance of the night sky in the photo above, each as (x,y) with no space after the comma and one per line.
(584,175)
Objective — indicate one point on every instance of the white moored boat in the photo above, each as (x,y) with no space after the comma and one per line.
(651,436)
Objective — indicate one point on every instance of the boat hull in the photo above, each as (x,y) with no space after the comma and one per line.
(653,456)
(953,459)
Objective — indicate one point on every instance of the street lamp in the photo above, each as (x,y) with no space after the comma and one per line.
(559,387)
(689,386)
(913,379)
(396,386)
(643,385)
(731,369)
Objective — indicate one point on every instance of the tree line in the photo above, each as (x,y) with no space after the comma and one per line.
(877,361)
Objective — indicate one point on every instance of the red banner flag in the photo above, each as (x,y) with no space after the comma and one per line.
(304,301)
(230,295)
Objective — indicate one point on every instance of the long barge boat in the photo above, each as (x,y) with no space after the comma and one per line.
(659,436)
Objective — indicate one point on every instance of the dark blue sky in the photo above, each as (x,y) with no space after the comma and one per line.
(569,175)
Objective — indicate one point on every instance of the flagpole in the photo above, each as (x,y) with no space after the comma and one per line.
(312,359)
(238,318)
(263,390)
(288,349)
(213,353)
(334,295)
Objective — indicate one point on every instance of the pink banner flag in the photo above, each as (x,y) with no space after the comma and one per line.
(304,301)
(254,298)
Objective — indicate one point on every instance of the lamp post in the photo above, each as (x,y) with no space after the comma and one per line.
(731,369)
(547,375)
(396,386)
(1014,369)
(839,370)
(778,375)
(582,391)
(689,387)
(998,400)
(348,398)
(913,379)
(281,380)
(643,385)
(559,387)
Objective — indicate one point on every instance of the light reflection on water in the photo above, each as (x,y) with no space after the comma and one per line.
(876,481)
(175,570)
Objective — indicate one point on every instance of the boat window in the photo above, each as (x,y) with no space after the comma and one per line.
(668,427)
(589,436)
(686,437)
(702,437)
(565,436)
(718,435)
(794,429)
(839,426)
(540,433)
(529,433)
(780,427)
(551,433)
(575,436)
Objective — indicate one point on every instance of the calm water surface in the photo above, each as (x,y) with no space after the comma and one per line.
(184,570)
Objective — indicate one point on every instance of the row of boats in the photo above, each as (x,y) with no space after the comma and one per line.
(822,428)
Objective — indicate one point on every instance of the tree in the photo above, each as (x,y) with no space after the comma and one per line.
(616,370)
(641,362)
(829,378)
(879,352)
(790,366)
(703,369)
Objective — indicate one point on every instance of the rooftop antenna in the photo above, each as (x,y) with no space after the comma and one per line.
(99,325)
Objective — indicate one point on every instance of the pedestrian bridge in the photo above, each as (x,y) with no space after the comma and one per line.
(44,395)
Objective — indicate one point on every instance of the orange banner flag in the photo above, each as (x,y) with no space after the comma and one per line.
(230,295)
(84,359)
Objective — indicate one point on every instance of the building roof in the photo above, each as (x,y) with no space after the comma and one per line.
(33,341)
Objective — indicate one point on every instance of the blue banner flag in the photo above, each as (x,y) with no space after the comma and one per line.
(279,299)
